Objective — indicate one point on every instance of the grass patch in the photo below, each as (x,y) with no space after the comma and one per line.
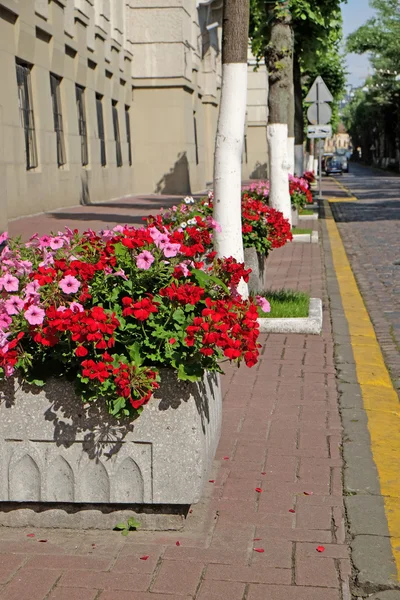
(285,304)
(306,212)
(297,230)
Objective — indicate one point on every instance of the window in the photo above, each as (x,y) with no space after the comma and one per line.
(58,121)
(196,144)
(116,133)
(80,105)
(128,134)
(26,113)
(100,127)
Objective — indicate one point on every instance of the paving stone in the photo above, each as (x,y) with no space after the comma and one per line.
(30,584)
(167,581)
(220,590)
(285,592)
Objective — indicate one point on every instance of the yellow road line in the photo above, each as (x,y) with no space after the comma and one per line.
(379,396)
(343,187)
(346,199)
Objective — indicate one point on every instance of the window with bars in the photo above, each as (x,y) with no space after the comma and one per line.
(55,83)
(116,133)
(80,105)
(100,128)
(26,113)
(128,134)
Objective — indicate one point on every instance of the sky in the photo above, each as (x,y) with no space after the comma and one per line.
(356,13)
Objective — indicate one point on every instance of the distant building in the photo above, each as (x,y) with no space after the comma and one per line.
(340,141)
(105,98)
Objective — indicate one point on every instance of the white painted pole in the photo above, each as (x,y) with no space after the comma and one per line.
(279,196)
(291,155)
(228,161)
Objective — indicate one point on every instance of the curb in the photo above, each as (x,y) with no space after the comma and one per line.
(305,325)
(372,557)
(310,238)
(313,217)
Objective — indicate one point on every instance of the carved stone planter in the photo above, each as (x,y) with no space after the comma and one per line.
(57,453)
(256,262)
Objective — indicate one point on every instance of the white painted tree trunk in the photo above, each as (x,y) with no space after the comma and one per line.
(279,196)
(315,166)
(310,164)
(228,163)
(290,154)
(299,160)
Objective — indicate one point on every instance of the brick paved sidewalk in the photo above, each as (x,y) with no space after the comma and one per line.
(282,434)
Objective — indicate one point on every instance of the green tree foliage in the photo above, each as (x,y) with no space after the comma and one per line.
(372,117)
(317,27)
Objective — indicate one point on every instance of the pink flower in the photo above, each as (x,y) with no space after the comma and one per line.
(263,302)
(3,237)
(76,307)
(31,290)
(69,284)
(213,224)
(121,273)
(34,315)
(14,305)
(184,269)
(4,340)
(144,260)
(5,321)
(44,241)
(171,250)
(56,243)
(119,228)
(9,283)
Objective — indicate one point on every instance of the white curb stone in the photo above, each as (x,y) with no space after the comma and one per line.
(313,217)
(306,237)
(306,325)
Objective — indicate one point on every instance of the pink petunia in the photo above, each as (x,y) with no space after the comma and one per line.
(171,250)
(56,243)
(34,315)
(76,307)
(213,224)
(263,302)
(121,273)
(9,283)
(69,284)
(44,241)
(5,321)
(184,269)
(14,305)
(4,340)
(3,237)
(144,260)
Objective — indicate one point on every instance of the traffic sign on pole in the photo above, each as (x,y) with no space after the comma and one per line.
(319,131)
(319,114)
(319,92)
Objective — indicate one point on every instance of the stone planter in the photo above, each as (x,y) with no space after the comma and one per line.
(295,216)
(256,262)
(56,451)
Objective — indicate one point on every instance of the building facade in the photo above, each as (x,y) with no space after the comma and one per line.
(106,98)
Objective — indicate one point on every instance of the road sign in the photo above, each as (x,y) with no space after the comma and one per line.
(319,92)
(319,114)
(319,131)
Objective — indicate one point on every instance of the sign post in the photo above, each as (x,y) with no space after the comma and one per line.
(319,113)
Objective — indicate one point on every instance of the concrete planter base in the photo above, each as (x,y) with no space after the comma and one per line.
(295,216)
(256,262)
(69,465)
(313,217)
(310,238)
(311,324)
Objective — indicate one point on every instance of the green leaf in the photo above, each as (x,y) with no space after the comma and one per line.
(133,523)
(134,354)
(118,406)
(179,316)
(125,532)
(38,382)
(185,375)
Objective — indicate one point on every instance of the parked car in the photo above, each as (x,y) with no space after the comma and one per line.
(333,166)
(345,163)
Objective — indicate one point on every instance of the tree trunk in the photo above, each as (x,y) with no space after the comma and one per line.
(230,132)
(298,119)
(278,58)
(291,133)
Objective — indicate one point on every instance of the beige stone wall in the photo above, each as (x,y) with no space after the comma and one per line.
(255,155)
(156,57)
(62,38)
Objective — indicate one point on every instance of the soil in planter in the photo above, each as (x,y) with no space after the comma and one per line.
(285,304)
